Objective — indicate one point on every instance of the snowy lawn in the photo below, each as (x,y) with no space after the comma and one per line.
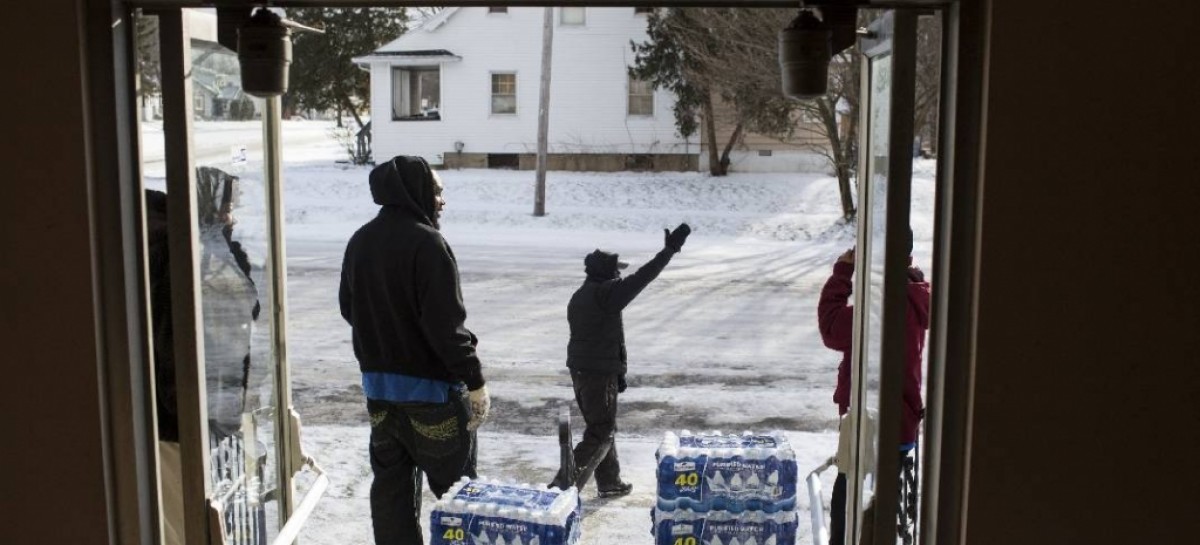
(725,339)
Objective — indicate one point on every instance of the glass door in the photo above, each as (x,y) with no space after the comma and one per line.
(881,260)
(229,444)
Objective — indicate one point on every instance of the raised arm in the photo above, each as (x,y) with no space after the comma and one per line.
(835,314)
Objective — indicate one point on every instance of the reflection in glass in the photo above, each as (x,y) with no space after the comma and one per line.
(239,363)
(230,307)
(233,288)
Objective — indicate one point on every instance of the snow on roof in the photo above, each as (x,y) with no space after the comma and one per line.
(416,53)
(429,24)
(409,57)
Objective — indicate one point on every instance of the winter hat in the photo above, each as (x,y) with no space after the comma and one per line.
(602,265)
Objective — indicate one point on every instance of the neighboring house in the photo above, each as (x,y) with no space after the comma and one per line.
(462,90)
(216,76)
(217,82)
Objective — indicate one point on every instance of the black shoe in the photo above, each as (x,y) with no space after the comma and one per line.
(615,490)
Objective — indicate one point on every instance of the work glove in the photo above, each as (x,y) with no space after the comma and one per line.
(479,403)
(675,239)
(621,384)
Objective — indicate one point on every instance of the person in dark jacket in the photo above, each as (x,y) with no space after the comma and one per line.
(596,353)
(835,317)
(423,381)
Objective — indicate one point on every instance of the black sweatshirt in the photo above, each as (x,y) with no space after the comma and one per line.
(594,314)
(400,290)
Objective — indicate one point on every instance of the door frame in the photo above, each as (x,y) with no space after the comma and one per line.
(114,183)
(893,37)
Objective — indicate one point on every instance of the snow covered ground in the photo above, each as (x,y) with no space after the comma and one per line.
(725,339)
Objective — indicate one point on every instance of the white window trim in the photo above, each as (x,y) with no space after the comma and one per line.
(572,25)
(516,93)
(414,68)
(653,101)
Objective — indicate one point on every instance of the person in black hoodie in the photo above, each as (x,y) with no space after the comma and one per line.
(423,381)
(596,352)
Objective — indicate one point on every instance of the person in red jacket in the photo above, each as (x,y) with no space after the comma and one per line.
(835,317)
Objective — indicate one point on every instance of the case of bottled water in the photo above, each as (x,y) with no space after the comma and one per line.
(485,512)
(689,527)
(727,472)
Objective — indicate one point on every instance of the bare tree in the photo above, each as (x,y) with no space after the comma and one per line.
(836,115)
(929,72)
(690,52)
(732,54)
(744,71)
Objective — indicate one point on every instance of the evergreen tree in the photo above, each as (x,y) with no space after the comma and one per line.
(662,61)
(323,76)
(689,51)
(148,62)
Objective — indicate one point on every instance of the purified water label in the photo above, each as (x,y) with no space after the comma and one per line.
(733,472)
(712,528)
(481,512)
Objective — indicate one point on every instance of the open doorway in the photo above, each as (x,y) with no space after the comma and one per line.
(726,339)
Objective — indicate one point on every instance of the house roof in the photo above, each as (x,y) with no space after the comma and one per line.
(411,57)
(414,53)
(396,48)
(430,24)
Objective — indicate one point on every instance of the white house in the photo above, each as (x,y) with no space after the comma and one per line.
(462,89)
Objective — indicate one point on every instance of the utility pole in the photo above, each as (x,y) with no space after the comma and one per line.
(539,197)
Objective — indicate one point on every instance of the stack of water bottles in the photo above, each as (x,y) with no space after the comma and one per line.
(486,512)
(716,489)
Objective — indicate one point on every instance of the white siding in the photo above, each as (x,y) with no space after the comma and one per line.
(588,95)
(778,161)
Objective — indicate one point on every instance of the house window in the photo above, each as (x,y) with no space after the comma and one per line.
(497,9)
(572,16)
(416,93)
(504,93)
(198,103)
(642,11)
(641,97)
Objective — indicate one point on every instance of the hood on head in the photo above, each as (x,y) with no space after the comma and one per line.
(406,182)
(602,265)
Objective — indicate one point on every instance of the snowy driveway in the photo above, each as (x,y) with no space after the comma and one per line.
(724,339)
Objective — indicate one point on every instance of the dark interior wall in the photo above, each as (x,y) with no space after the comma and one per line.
(1086,411)
(51,446)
